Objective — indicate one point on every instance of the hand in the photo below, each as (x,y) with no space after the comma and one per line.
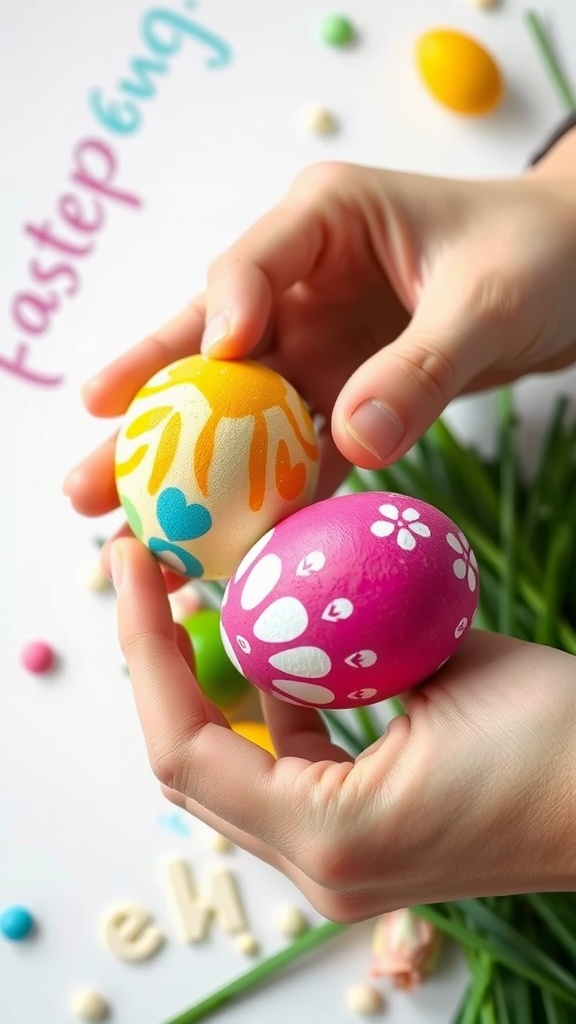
(471,793)
(381,296)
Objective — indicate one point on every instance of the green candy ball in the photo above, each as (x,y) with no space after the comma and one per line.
(336,30)
(217,677)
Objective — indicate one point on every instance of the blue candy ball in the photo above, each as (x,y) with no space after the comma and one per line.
(16,923)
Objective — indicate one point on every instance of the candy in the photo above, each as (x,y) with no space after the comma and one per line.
(364,1000)
(217,677)
(351,601)
(38,657)
(459,72)
(88,1005)
(16,923)
(337,30)
(315,119)
(209,456)
(290,921)
(246,943)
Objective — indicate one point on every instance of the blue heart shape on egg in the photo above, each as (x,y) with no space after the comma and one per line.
(179,520)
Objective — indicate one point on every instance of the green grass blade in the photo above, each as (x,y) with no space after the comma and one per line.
(537,502)
(554,1012)
(506,955)
(502,931)
(544,907)
(507,609)
(554,588)
(366,721)
(338,726)
(500,998)
(555,73)
(477,992)
(265,969)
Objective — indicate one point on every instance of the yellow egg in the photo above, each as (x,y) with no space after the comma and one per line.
(256,732)
(212,454)
(459,72)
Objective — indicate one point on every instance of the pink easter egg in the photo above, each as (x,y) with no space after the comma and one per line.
(351,600)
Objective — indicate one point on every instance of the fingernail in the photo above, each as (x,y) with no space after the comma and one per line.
(116,566)
(376,427)
(216,330)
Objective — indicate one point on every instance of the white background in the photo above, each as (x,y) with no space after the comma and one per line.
(79,810)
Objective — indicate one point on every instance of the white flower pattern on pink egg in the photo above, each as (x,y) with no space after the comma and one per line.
(466,566)
(406,524)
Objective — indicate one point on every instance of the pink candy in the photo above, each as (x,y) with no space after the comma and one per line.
(38,657)
(351,600)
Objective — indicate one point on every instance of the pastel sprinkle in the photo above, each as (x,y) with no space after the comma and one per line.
(220,844)
(364,1000)
(246,943)
(92,576)
(337,30)
(16,923)
(38,657)
(86,1004)
(290,921)
(317,120)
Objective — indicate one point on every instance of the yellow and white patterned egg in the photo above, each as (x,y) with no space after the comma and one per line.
(210,455)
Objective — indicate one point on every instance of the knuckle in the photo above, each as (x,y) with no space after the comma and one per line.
(321,177)
(168,763)
(434,370)
(496,297)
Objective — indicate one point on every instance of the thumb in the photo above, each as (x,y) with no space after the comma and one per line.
(392,398)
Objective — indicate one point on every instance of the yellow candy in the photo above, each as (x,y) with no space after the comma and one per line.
(211,455)
(459,72)
(256,732)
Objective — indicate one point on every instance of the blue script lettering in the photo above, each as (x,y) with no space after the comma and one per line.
(164,33)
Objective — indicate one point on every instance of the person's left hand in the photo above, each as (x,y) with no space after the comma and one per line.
(472,792)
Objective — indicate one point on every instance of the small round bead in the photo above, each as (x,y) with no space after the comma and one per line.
(220,844)
(88,1005)
(337,30)
(290,921)
(246,943)
(38,657)
(365,1000)
(317,120)
(16,923)
(93,577)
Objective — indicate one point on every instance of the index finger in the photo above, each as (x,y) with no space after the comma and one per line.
(110,392)
(277,251)
(210,763)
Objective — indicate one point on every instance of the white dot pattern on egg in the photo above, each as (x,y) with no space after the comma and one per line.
(351,600)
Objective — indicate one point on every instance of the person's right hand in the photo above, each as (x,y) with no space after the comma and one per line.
(381,296)
(472,792)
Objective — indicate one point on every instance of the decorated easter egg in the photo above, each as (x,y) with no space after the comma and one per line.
(459,72)
(351,600)
(217,677)
(209,456)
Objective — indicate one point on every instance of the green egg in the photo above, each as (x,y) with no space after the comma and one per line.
(217,677)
